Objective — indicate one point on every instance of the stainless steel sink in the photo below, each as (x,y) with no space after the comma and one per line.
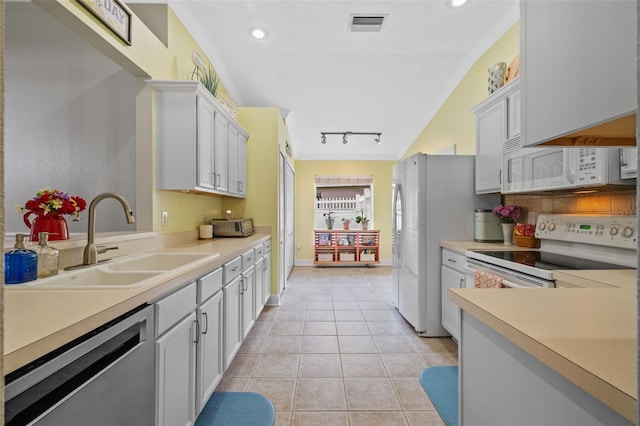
(157,261)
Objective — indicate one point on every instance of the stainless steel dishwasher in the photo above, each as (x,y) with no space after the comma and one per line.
(105,377)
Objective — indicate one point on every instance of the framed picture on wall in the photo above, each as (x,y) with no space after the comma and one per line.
(113,15)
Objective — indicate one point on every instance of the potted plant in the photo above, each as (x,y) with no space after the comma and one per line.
(363,221)
(507,216)
(329,219)
(345,223)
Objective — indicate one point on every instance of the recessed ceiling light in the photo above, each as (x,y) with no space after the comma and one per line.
(457,3)
(258,33)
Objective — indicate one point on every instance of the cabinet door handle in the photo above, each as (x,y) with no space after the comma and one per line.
(206,323)
(451,260)
(234,269)
(246,284)
(241,287)
(197,338)
(462,282)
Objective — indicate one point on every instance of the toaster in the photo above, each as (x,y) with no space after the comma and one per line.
(233,227)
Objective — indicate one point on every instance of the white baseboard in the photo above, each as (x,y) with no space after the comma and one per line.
(274,300)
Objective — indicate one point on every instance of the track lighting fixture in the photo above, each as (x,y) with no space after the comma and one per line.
(345,135)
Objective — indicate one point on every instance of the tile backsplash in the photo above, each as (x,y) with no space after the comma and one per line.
(617,202)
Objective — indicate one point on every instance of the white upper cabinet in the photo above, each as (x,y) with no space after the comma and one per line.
(237,162)
(206,116)
(497,127)
(194,135)
(221,146)
(578,71)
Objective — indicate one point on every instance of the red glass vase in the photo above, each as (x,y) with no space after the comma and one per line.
(54,224)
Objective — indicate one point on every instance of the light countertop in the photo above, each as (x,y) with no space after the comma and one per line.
(37,320)
(588,335)
(462,246)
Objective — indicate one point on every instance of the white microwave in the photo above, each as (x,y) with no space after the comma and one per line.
(628,163)
(555,168)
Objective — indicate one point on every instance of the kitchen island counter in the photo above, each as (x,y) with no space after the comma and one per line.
(616,278)
(587,335)
(39,320)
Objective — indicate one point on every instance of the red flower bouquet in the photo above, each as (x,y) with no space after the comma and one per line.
(54,202)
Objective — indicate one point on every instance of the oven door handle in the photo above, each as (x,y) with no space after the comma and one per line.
(505,283)
(472,267)
(511,284)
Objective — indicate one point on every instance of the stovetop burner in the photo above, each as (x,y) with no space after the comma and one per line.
(550,261)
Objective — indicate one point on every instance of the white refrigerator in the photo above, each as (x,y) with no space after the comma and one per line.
(433,200)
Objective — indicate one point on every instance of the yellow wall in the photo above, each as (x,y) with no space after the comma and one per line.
(305,198)
(267,137)
(454,123)
(147,57)
(261,203)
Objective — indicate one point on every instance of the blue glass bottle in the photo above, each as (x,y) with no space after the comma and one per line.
(20,264)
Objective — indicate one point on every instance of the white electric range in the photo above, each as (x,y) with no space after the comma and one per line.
(567,242)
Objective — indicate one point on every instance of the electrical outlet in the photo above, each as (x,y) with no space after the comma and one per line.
(165,218)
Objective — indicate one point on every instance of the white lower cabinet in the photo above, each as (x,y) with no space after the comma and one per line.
(176,358)
(188,343)
(200,328)
(232,294)
(248,296)
(266,278)
(453,276)
(258,298)
(210,367)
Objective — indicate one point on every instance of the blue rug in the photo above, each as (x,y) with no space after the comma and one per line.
(237,408)
(441,385)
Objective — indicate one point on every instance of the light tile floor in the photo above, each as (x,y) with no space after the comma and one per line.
(337,352)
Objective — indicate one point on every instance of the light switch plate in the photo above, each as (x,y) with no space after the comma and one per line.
(165,218)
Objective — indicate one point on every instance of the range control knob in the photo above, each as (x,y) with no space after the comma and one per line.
(551,226)
(613,231)
(541,226)
(627,231)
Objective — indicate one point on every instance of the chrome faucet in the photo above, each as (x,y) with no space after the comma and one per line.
(91,250)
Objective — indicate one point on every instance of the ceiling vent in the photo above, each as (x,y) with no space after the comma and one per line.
(359,23)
